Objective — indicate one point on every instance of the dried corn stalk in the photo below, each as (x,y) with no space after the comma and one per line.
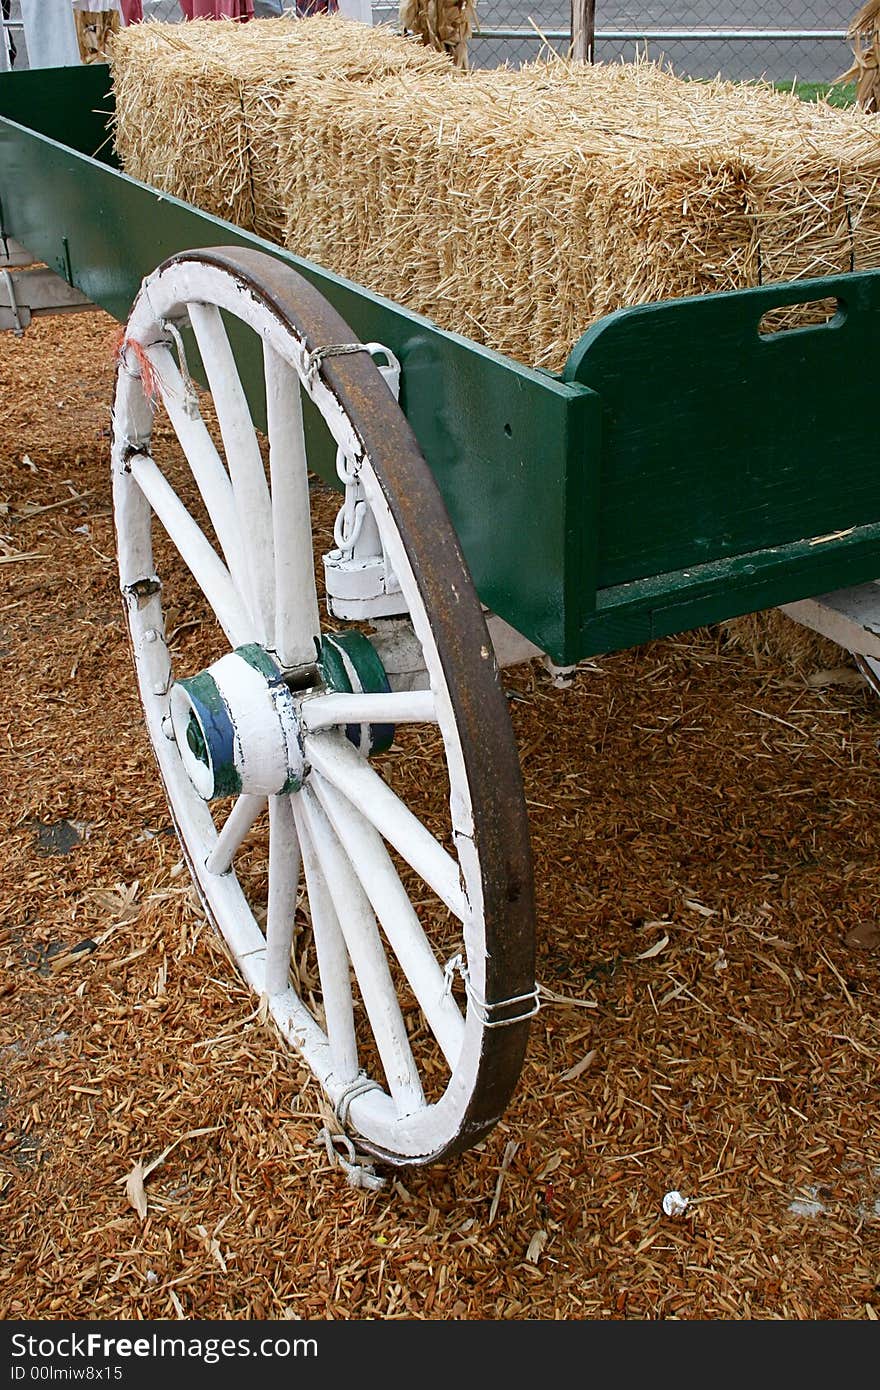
(445,25)
(864,36)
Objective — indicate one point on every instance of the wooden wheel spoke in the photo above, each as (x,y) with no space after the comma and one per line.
(194,548)
(284,870)
(394,707)
(205,464)
(297,625)
(334,758)
(391,904)
(244,814)
(252,500)
(332,954)
(368,959)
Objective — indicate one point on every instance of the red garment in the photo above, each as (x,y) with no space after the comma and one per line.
(218,9)
(132,11)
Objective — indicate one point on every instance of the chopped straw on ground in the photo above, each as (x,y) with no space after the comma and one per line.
(705,841)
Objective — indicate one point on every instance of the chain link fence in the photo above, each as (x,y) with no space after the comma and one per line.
(782,40)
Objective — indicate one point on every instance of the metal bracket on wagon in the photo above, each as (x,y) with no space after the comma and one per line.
(359,579)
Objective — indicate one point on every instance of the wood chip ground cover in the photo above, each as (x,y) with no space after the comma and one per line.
(704,832)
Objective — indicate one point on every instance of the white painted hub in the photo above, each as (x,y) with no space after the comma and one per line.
(237,728)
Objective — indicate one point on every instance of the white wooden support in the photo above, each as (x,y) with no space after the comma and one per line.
(26,293)
(849,617)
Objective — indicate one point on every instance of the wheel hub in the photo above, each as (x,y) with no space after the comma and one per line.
(349,662)
(237,727)
(237,724)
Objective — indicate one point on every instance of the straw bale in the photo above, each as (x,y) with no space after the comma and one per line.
(519,206)
(196,103)
(420,222)
(462,215)
(715,185)
(513,205)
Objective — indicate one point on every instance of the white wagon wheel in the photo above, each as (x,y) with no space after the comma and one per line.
(263,736)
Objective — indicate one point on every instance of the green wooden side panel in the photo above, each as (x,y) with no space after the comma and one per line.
(509,446)
(729,456)
(720,440)
(67,104)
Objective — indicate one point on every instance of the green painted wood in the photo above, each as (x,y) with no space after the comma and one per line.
(67,104)
(718,440)
(508,445)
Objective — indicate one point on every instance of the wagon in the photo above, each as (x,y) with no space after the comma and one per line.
(676,473)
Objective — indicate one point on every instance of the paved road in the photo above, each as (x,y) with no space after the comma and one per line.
(809,60)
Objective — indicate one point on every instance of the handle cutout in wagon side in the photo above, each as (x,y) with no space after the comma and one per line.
(811,313)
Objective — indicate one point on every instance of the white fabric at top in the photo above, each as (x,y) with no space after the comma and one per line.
(357,9)
(98,6)
(50,33)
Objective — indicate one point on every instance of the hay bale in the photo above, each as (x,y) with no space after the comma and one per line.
(438,217)
(541,198)
(196,104)
(538,199)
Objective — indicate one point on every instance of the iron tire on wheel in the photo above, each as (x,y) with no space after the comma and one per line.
(327,807)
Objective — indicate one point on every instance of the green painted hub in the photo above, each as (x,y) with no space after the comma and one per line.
(349,663)
(196,739)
